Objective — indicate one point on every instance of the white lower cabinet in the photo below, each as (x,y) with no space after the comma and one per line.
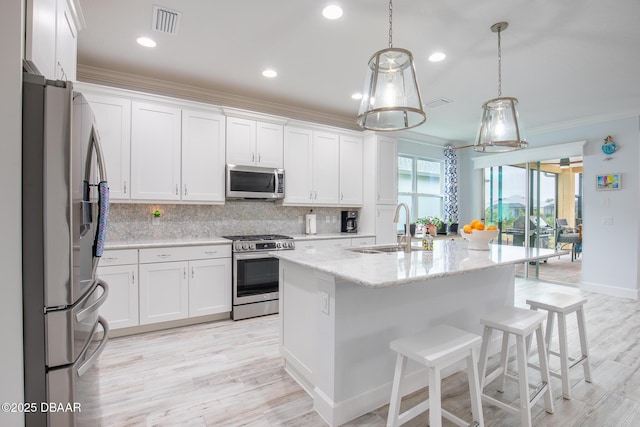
(119,268)
(164,292)
(209,286)
(308,244)
(187,282)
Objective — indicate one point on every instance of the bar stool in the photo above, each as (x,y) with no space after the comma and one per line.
(436,348)
(560,305)
(522,323)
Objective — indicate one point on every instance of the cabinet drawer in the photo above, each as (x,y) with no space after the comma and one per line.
(363,241)
(119,257)
(184,253)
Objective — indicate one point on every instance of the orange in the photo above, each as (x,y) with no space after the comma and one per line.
(492,227)
(478,226)
(473,222)
(467,229)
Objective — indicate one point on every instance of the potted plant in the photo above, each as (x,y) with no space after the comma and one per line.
(452,228)
(431,223)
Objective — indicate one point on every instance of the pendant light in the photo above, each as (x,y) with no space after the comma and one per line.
(499,128)
(391,99)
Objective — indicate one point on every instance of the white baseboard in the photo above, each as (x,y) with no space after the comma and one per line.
(613,291)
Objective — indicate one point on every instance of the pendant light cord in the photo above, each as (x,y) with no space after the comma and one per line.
(390,23)
(499,65)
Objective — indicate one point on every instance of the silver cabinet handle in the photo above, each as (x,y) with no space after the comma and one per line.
(258,157)
(193,273)
(311,194)
(133,277)
(109,258)
(163,255)
(177,190)
(125,187)
(341,196)
(184,272)
(253,157)
(315,194)
(378,196)
(210,252)
(185,189)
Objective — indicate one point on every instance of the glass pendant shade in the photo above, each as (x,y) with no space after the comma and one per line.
(391,99)
(499,128)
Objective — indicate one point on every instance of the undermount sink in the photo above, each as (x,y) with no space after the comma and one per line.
(382,249)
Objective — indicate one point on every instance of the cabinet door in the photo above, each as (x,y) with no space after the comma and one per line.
(113,120)
(66,43)
(387,168)
(121,307)
(40,43)
(203,161)
(209,286)
(155,152)
(269,145)
(164,292)
(350,171)
(386,229)
(241,141)
(326,167)
(297,166)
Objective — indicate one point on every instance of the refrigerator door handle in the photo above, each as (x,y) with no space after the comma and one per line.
(82,369)
(82,314)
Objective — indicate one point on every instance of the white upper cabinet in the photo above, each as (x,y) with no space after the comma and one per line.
(66,43)
(113,121)
(253,143)
(387,171)
(311,164)
(297,166)
(203,156)
(350,171)
(51,38)
(325,168)
(155,151)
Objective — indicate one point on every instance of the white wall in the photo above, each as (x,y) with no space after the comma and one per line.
(610,252)
(11,385)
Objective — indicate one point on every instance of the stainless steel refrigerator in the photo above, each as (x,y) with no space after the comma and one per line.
(65,204)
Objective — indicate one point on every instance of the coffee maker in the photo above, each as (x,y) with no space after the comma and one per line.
(349,222)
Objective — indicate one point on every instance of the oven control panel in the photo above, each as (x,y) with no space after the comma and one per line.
(251,246)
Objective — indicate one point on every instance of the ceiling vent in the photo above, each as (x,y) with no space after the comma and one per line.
(436,103)
(166,20)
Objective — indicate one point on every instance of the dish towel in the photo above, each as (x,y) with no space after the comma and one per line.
(103,218)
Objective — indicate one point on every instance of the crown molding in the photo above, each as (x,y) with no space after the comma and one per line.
(137,82)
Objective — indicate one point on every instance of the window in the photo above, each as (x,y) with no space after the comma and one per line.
(420,186)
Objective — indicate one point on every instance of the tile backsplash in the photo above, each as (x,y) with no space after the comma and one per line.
(134,221)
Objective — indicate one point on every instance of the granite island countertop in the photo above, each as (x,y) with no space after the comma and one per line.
(378,270)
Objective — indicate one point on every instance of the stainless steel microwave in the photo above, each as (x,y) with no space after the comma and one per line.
(251,182)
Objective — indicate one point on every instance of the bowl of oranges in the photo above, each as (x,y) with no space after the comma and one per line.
(478,235)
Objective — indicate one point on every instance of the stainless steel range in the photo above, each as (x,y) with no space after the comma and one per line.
(255,274)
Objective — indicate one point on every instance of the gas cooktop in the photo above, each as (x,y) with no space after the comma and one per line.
(261,242)
(256,237)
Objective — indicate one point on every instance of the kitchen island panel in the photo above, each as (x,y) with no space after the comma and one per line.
(342,356)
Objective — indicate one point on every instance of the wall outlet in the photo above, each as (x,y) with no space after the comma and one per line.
(324,302)
(155,220)
(606,220)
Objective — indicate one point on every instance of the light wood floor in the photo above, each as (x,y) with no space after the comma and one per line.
(229,373)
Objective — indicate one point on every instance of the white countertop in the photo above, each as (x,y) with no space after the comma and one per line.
(216,240)
(390,269)
(157,243)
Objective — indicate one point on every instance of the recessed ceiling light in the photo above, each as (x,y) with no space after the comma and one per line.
(146,42)
(332,11)
(437,57)
(356,96)
(269,73)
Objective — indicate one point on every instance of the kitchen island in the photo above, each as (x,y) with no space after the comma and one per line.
(340,309)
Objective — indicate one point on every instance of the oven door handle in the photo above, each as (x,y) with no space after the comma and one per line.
(251,255)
